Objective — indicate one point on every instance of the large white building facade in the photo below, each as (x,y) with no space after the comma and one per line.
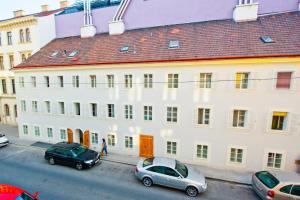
(226,104)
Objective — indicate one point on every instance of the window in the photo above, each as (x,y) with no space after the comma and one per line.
(274,160)
(239,118)
(73,54)
(34,106)
(47,81)
(148,113)
(93,81)
(25,129)
(77,109)
(202,151)
(173,44)
(170,172)
(124,49)
(61,81)
(148,80)
(23,105)
(21,81)
(1,63)
(37,131)
(11,61)
(128,112)
(110,110)
(75,81)
(13,86)
(205,80)
(4,90)
(241,80)
(286,189)
(111,81)
(94,138)
(23,57)
(21,36)
(63,135)
(203,116)
(48,107)
(6,109)
(265,39)
(33,81)
(94,112)
(279,121)
(28,39)
(172,114)
(50,132)
(111,140)
(283,80)
(173,80)
(171,148)
(61,106)
(236,155)
(128,81)
(9,38)
(296,190)
(16,111)
(128,142)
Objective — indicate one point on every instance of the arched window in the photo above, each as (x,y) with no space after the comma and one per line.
(16,111)
(6,108)
(21,36)
(28,35)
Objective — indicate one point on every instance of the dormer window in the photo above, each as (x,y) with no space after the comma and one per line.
(173,44)
(73,54)
(124,49)
(54,54)
(266,39)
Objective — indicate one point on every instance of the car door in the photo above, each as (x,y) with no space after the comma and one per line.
(60,156)
(283,193)
(295,193)
(173,179)
(157,174)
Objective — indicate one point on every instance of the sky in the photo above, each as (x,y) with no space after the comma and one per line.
(29,6)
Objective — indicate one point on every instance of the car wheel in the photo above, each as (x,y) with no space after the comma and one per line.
(191,191)
(79,166)
(147,181)
(51,161)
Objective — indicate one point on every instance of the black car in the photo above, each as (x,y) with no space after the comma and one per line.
(72,154)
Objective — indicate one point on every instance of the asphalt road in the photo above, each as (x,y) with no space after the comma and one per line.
(25,167)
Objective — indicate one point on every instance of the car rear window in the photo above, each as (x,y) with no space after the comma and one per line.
(267,179)
(148,162)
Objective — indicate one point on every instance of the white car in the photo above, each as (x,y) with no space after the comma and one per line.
(3,140)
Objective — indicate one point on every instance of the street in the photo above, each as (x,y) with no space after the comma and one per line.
(25,167)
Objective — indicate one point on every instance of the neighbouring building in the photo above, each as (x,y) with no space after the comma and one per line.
(20,37)
(222,93)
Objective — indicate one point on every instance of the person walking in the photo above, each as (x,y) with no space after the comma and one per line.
(104,147)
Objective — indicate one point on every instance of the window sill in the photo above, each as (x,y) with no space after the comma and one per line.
(283,132)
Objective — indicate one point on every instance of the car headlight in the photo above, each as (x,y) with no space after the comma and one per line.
(88,161)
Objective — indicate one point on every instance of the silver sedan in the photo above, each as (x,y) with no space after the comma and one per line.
(172,173)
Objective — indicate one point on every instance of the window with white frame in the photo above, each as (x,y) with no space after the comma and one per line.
(25,129)
(171,148)
(279,121)
(93,79)
(128,111)
(239,118)
(37,131)
(110,81)
(63,134)
(48,107)
(110,110)
(173,80)
(94,138)
(77,108)
(75,81)
(23,106)
(60,81)
(148,113)
(205,80)
(203,116)
(148,80)
(94,111)
(111,140)
(47,81)
(128,81)
(236,155)
(242,80)
(21,82)
(202,151)
(128,142)
(33,81)
(34,106)
(50,132)
(172,114)
(61,107)
(274,160)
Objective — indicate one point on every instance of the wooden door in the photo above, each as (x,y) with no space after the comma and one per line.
(86,139)
(70,135)
(146,146)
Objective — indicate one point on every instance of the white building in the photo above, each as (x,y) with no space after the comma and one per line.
(20,37)
(220,93)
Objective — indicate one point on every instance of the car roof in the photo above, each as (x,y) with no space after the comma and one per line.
(286,177)
(9,192)
(66,145)
(162,161)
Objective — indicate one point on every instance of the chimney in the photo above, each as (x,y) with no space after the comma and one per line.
(18,13)
(246,10)
(88,29)
(117,25)
(299,5)
(45,8)
(64,3)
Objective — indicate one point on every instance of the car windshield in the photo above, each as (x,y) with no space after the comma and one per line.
(79,150)
(24,196)
(147,162)
(181,168)
(267,179)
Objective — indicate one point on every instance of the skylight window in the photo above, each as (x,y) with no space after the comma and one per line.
(73,54)
(174,44)
(54,54)
(124,49)
(266,39)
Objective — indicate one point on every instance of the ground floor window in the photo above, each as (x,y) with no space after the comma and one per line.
(94,138)
(63,135)
(25,129)
(50,132)
(236,155)
(171,148)
(202,151)
(128,142)
(111,140)
(37,131)
(274,160)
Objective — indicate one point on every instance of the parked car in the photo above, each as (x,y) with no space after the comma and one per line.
(3,140)
(9,192)
(171,173)
(72,154)
(269,187)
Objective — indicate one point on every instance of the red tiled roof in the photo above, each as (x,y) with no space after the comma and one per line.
(224,39)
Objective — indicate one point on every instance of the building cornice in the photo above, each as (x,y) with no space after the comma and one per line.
(17,22)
